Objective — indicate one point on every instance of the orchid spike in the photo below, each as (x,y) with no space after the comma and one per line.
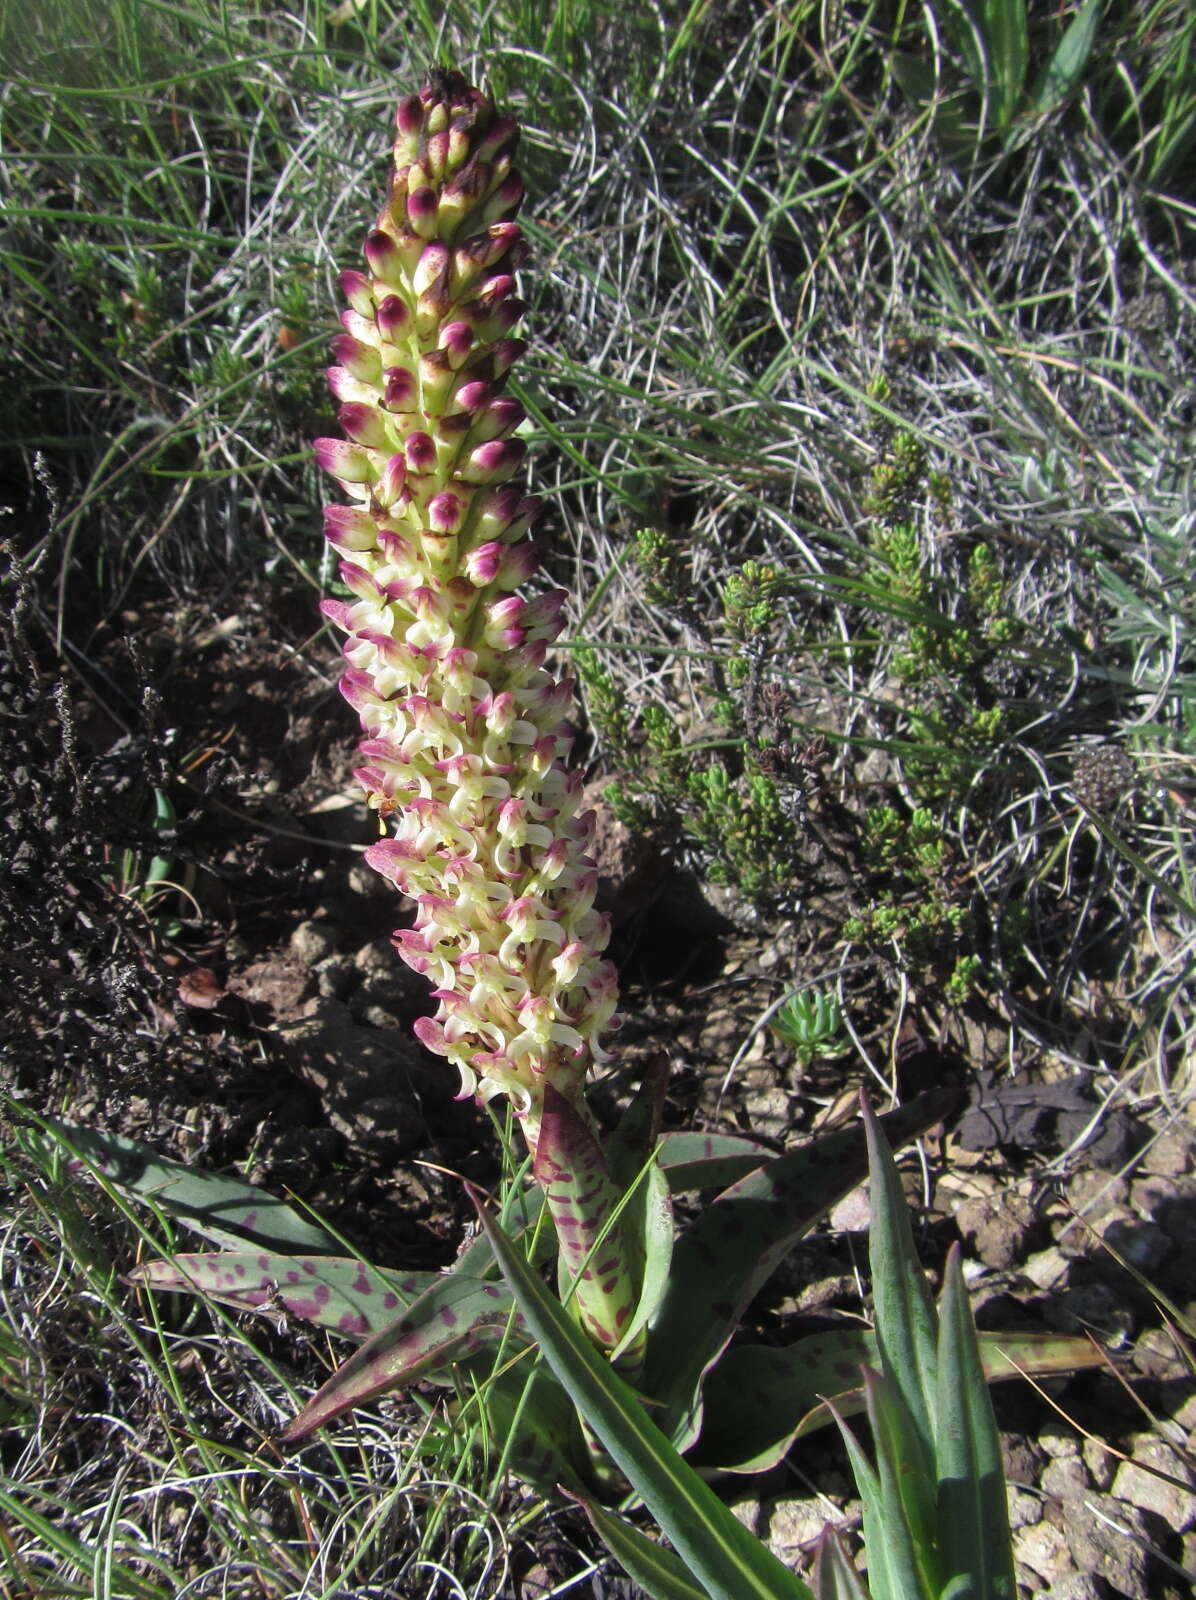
(466,747)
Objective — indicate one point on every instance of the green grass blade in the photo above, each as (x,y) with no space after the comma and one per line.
(906,1331)
(834,1576)
(73,1552)
(1008,39)
(973,1520)
(1069,59)
(658,1571)
(725,1558)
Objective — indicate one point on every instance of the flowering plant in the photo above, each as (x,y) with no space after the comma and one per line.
(465,761)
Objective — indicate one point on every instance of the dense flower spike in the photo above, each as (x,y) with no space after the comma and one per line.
(466,749)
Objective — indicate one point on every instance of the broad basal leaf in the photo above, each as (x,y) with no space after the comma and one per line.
(758,1399)
(343,1295)
(224,1209)
(736,1244)
(453,1318)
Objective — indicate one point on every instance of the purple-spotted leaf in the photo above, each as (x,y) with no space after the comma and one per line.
(758,1400)
(343,1295)
(597,1268)
(737,1243)
(710,1160)
(453,1318)
(224,1209)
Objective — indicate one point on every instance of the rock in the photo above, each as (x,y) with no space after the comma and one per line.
(1065,1478)
(312,942)
(1184,1417)
(1094,1194)
(632,866)
(1143,1245)
(789,1527)
(1059,1445)
(334,978)
(1078,1586)
(371,1086)
(364,882)
(1173,1152)
(1149,1195)
(853,1214)
(1116,1548)
(1155,1355)
(387,982)
(1025,1509)
(277,990)
(1020,1460)
(1047,1269)
(1141,1487)
(1101,1463)
(1094,1308)
(1042,1547)
(999,1229)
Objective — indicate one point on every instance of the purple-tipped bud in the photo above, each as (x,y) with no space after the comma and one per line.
(409,118)
(345,386)
(422,211)
(391,487)
(501,137)
(421,452)
(456,340)
(359,327)
(364,426)
(360,360)
(472,396)
(436,153)
(349,528)
(356,288)
(493,462)
(498,419)
(505,201)
(400,389)
(348,462)
(436,381)
(446,512)
(393,317)
(483,251)
(385,262)
(432,269)
(506,353)
(504,565)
